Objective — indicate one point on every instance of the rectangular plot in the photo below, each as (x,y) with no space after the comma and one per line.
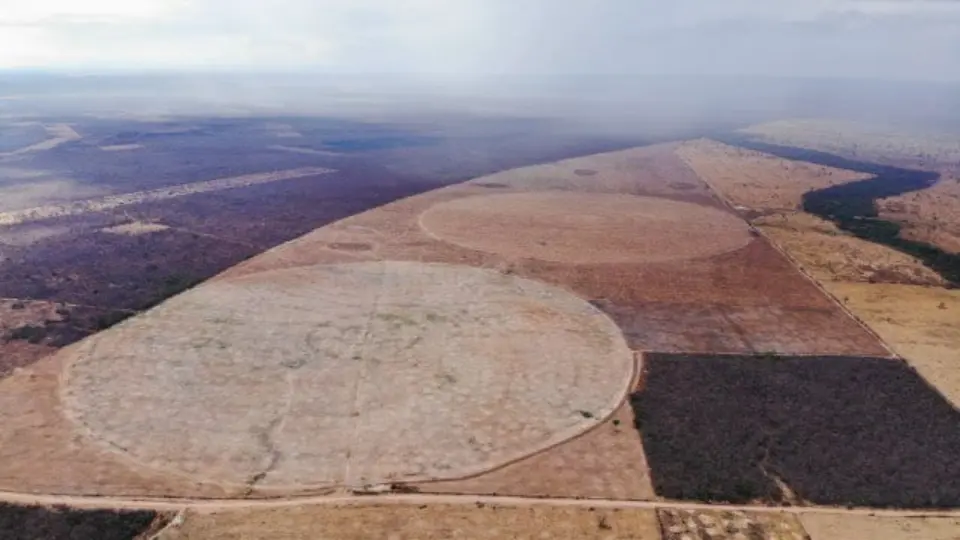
(826,430)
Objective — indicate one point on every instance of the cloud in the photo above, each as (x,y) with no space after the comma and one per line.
(861,38)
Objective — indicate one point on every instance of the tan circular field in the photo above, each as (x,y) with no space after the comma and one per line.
(349,375)
(582,228)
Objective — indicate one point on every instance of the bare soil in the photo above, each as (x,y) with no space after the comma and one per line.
(823,430)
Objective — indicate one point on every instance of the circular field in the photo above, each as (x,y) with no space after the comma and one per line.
(581,228)
(349,375)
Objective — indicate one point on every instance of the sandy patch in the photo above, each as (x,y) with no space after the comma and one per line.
(586,228)
(349,375)
(135,228)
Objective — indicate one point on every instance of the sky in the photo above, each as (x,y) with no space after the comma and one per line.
(891,39)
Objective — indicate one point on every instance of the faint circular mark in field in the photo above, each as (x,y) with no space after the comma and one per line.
(348,375)
(583,228)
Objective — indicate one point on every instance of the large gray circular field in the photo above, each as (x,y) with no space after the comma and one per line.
(348,375)
(586,228)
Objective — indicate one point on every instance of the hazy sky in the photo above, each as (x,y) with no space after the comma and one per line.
(906,39)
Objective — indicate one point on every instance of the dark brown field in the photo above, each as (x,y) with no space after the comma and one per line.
(791,430)
(62,523)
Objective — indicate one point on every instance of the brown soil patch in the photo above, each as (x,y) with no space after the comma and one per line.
(921,323)
(834,527)
(433,522)
(345,371)
(579,228)
(759,181)
(829,254)
(729,525)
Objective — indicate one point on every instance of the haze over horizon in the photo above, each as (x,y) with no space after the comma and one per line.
(474,39)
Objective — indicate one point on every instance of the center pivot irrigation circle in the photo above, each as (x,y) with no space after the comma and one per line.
(349,375)
(586,228)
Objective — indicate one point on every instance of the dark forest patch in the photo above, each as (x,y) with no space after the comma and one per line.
(60,522)
(833,430)
(585,172)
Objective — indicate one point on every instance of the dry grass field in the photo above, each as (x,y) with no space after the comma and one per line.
(409,522)
(757,181)
(829,254)
(843,527)
(921,323)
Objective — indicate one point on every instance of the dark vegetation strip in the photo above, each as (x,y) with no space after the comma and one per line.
(852,206)
(60,522)
(833,430)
